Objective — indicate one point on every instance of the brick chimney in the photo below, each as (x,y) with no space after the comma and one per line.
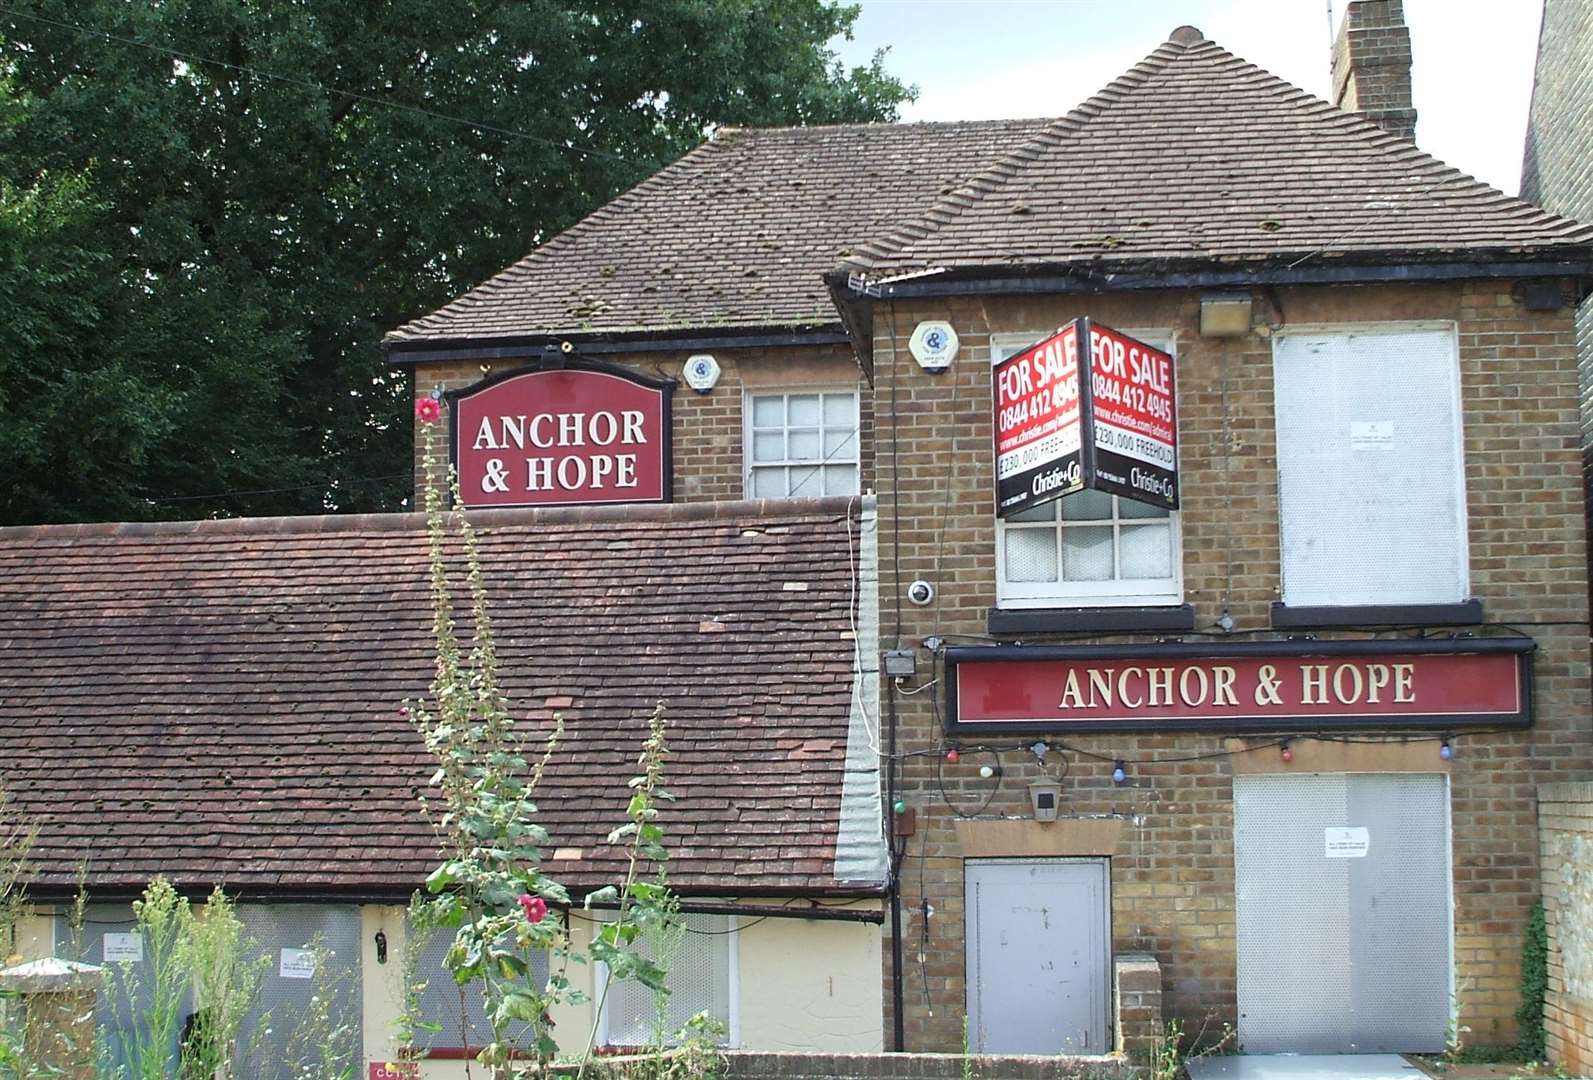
(1371,66)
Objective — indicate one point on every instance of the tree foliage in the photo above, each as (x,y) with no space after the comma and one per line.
(211,211)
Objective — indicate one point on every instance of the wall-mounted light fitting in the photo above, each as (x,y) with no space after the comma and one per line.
(1045,796)
(381,946)
(1225,314)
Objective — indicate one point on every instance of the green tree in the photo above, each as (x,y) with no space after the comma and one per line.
(261,188)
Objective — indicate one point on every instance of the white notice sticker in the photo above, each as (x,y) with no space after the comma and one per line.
(123,948)
(1371,434)
(297,964)
(1346,843)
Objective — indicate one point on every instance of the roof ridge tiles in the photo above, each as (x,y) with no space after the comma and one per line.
(771,510)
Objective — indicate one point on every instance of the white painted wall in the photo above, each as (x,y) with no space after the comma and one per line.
(802,986)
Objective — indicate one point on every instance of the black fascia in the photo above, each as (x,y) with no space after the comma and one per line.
(1104,620)
(1465,613)
(403,353)
(1070,278)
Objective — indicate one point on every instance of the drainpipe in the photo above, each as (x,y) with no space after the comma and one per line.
(898,1024)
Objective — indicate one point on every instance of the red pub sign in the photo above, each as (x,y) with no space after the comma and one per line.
(1088,407)
(1239,686)
(581,433)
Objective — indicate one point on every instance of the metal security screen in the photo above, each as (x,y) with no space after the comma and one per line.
(700,959)
(458,1012)
(1345,923)
(1371,501)
(286,1034)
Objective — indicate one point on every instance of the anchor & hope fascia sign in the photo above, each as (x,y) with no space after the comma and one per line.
(1432,685)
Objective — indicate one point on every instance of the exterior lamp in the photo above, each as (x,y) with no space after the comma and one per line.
(1225,315)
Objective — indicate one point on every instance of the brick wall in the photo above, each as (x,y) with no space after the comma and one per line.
(1171,848)
(1556,173)
(1565,821)
(1371,65)
(707,428)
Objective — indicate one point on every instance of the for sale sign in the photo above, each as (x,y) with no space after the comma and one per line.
(1088,407)
(1039,443)
(1132,419)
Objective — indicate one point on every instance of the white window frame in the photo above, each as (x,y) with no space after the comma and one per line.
(1463,525)
(1121,592)
(732,932)
(747,463)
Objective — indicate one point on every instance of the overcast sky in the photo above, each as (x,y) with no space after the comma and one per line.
(988,59)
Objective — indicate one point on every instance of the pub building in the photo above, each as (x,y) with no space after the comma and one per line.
(1178,498)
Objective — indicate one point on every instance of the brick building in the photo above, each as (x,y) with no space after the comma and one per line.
(1376,445)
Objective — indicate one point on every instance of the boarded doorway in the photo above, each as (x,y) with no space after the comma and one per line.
(1345,926)
(1038,953)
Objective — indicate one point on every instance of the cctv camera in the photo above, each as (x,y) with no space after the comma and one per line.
(920,592)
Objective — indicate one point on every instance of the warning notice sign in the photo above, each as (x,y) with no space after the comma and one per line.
(1088,407)
(1132,420)
(1039,442)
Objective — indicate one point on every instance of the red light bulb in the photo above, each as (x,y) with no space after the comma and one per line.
(1288,755)
(952,755)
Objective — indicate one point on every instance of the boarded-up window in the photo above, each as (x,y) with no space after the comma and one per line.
(700,959)
(1370,484)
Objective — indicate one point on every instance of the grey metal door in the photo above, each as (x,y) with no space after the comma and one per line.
(1345,923)
(1038,953)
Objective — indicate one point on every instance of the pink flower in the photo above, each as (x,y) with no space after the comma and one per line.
(535,908)
(427,411)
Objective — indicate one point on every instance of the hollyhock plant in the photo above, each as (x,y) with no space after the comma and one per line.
(535,908)
(427,410)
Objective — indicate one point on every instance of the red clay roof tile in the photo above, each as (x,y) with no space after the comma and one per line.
(218,701)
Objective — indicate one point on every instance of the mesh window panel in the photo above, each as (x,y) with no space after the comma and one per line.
(1342,955)
(699,981)
(458,1012)
(1031,554)
(1369,468)
(293,1049)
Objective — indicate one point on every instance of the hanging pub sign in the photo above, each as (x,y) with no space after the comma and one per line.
(1241,686)
(1058,431)
(580,433)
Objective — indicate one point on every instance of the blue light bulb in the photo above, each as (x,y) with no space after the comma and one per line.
(1445,751)
(1119,774)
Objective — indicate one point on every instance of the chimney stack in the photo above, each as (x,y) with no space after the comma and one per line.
(1371,66)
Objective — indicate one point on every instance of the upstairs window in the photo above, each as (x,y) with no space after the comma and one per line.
(802,444)
(1089,549)
(1371,486)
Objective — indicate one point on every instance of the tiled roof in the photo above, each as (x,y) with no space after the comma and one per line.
(218,702)
(736,233)
(1196,156)
(1192,156)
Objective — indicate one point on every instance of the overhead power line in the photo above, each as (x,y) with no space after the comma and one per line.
(291,80)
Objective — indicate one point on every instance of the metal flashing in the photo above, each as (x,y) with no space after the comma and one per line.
(860,842)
